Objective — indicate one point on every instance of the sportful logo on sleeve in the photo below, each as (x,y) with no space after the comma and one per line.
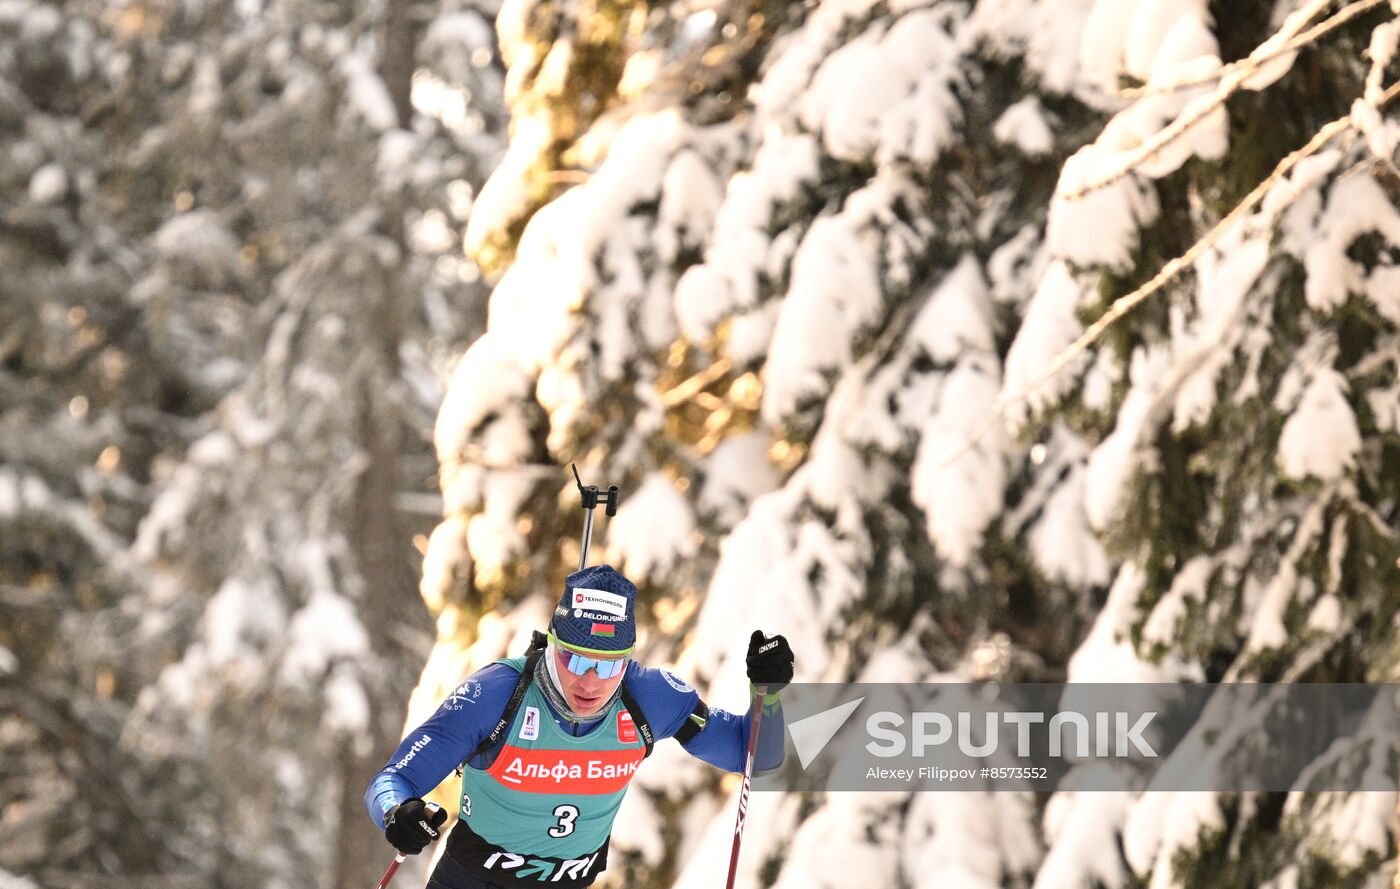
(599,600)
(417,745)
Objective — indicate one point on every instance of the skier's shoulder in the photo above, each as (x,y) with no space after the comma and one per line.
(664,697)
(657,680)
(488,688)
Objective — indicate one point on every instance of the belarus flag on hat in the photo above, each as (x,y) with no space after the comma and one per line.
(604,629)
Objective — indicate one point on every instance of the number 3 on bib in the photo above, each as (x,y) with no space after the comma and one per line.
(566,816)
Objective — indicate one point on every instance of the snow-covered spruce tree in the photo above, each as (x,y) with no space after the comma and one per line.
(1243,466)
(780,282)
(229,285)
(87,400)
(286,518)
(768,291)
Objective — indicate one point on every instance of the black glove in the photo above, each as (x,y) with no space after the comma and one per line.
(411,825)
(769,661)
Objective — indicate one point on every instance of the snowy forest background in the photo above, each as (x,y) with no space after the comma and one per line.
(305,306)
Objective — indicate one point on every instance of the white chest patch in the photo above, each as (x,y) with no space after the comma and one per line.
(530,728)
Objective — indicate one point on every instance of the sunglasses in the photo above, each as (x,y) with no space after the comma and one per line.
(579,664)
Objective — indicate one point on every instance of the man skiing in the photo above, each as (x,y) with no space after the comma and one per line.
(547,744)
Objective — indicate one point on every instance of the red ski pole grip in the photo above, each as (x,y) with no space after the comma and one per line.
(431,809)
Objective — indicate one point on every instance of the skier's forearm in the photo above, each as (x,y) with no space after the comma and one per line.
(385,792)
(771,734)
(721,742)
(429,754)
(431,751)
(724,742)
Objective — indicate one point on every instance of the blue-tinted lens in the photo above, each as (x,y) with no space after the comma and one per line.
(580,664)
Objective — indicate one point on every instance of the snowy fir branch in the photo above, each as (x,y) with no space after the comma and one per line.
(1284,41)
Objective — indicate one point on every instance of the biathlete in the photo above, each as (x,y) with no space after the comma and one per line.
(548,743)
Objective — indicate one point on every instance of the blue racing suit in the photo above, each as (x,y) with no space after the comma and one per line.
(466,718)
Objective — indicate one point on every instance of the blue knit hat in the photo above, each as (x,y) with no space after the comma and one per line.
(597,611)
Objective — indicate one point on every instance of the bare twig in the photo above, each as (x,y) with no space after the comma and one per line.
(1229,83)
(690,387)
(1254,62)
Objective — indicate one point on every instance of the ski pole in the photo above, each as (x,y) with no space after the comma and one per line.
(431,809)
(755,718)
(590,496)
(393,868)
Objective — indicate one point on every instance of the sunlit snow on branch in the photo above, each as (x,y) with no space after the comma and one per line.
(1321,438)
(652,531)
